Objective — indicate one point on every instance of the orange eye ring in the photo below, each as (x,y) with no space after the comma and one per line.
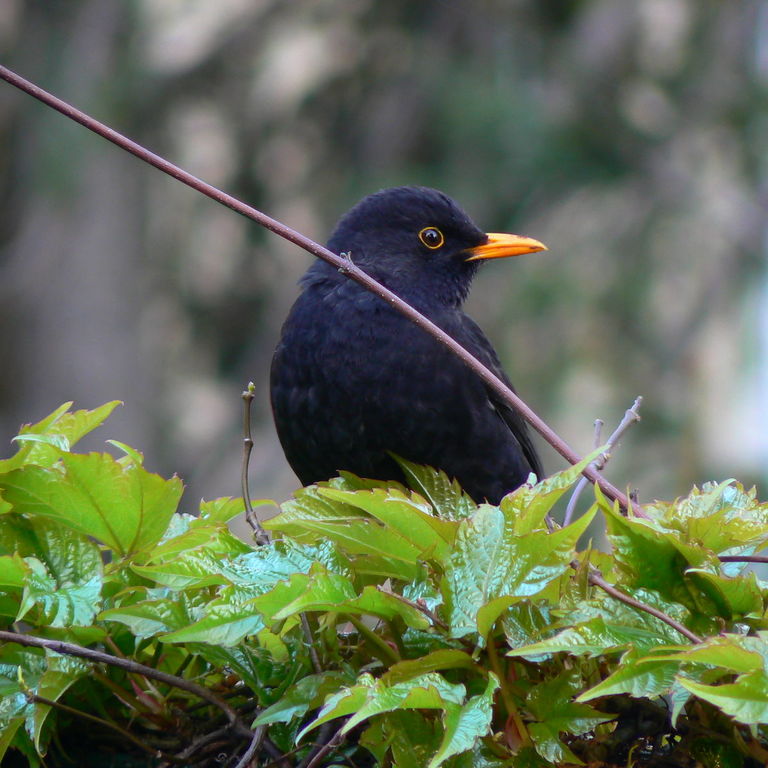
(432,237)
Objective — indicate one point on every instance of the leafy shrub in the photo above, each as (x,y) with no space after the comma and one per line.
(381,626)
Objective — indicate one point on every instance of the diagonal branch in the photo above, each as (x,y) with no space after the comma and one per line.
(352,271)
(71,649)
(597,580)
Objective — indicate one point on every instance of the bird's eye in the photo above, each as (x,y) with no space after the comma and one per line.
(431,237)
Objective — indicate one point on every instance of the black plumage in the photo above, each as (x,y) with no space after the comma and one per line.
(352,379)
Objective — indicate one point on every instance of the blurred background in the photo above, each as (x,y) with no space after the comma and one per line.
(632,138)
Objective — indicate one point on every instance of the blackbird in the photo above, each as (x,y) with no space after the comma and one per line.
(354,381)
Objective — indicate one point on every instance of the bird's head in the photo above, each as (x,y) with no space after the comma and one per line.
(420,244)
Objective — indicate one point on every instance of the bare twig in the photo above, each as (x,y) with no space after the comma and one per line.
(259,534)
(320,742)
(630,417)
(245,760)
(744,558)
(598,581)
(346,266)
(309,640)
(70,649)
(334,741)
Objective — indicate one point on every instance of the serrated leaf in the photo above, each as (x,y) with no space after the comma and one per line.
(746,700)
(448,658)
(66,577)
(196,568)
(307,693)
(369,697)
(719,516)
(735,653)
(446,496)
(489,561)
(464,725)
(402,516)
(225,509)
(550,702)
(591,638)
(638,677)
(224,624)
(735,597)
(42,443)
(127,508)
(311,515)
(527,507)
(149,618)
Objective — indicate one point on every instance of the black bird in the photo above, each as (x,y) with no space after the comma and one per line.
(352,379)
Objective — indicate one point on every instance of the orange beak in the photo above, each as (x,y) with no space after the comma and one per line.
(501,246)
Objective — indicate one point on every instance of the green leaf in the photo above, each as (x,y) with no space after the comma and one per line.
(527,507)
(226,623)
(550,702)
(448,658)
(311,515)
(721,517)
(637,677)
(591,638)
(746,700)
(489,561)
(464,725)
(193,568)
(369,697)
(448,500)
(13,572)
(649,557)
(225,509)
(42,443)
(149,618)
(402,516)
(735,598)
(131,454)
(308,693)
(411,737)
(735,653)
(127,508)
(65,578)
(61,673)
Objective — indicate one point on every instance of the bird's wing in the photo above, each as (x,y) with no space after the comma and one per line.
(474,340)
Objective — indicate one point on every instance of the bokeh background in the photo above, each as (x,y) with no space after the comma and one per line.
(631,137)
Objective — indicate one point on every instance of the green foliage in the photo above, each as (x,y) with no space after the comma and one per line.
(442,633)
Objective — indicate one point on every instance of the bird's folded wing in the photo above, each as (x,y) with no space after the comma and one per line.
(470,336)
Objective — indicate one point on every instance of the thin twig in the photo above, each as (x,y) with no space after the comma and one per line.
(259,534)
(253,747)
(70,649)
(630,417)
(346,266)
(320,742)
(310,641)
(596,579)
(744,558)
(334,741)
